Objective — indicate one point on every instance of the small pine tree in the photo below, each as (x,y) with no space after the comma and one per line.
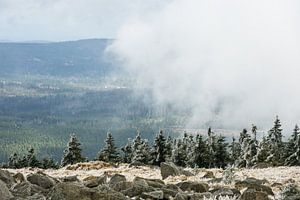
(221,153)
(294,145)
(159,148)
(291,146)
(169,148)
(179,156)
(49,163)
(32,161)
(13,161)
(235,151)
(262,150)
(72,153)
(274,138)
(212,145)
(140,151)
(110,152)
(127,152)
(201,153)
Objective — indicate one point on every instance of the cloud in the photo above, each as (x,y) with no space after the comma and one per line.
(68,19)
(233,62)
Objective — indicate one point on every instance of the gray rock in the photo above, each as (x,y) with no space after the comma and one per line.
(252,194)
(123,185)
(5,194)
(26,189)
(94,181)
(209,174)
(255,184)
(70,179)
(169,169)
(6,177)
(193,186)
(200,196)
(156,183)
(116,178)
(19,177)
(74,191)
(158,194)
(223,192)
(41,180)
(181,196)
(138,188)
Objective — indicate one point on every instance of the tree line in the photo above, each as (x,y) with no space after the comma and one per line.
(210,151)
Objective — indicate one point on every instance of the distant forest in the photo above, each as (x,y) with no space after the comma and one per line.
(211,151)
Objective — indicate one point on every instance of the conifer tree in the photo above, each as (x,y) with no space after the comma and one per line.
(72,153)
(127,152)
(159,148)
(276,145)
(291,145)
(201,153)
(32,161)
(169,147)
(110,152)
(221,153)
(140,150)
(235,151)
(293,149)
(179,156)
(262,150)
(212,145)
(244,141)
(13,161)
(49,163)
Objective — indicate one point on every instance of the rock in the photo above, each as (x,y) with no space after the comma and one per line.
(209,174)
(5,194)
(117,178)
(26,189)
(138,188)
(19,177)
(93,181)
(158,194)
(223,192)
(200,196)
(215,180)
(156,183)
(41,180)
(186,173)
(290,192)
(6,177)
(252,194)
(74,191)
(193,186)
(123,185)
(70,179)
(169,169)
(255,184)
(181,196)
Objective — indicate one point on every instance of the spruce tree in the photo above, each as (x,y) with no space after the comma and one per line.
(201,153)
(212,145)
(291,146)
(32,161)
(293,149)
(13,161)
(49,163)
(159,148)
(235,151)
(262,151)
(276,145)
(244,141)
(110,152)
(179,156)
(169,148)
(127,152)
(140,151)
(72,153)
(221,153)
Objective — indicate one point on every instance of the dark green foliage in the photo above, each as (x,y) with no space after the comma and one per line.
(110,152)
(274,139)
(72,153)
(179,154)
(201,153)
(31,159)
(49,163)
(159,148)
(292,152)
(127,152)
(221,153)
(234,151)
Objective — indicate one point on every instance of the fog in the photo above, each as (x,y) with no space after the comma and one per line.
(234,62)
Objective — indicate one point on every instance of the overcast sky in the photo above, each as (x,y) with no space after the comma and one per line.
(57,20)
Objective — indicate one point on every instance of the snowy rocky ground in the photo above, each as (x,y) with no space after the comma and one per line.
(274,178)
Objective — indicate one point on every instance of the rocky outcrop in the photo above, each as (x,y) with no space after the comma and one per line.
(41,180)
(5,194)
(6,177)
(169,169)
